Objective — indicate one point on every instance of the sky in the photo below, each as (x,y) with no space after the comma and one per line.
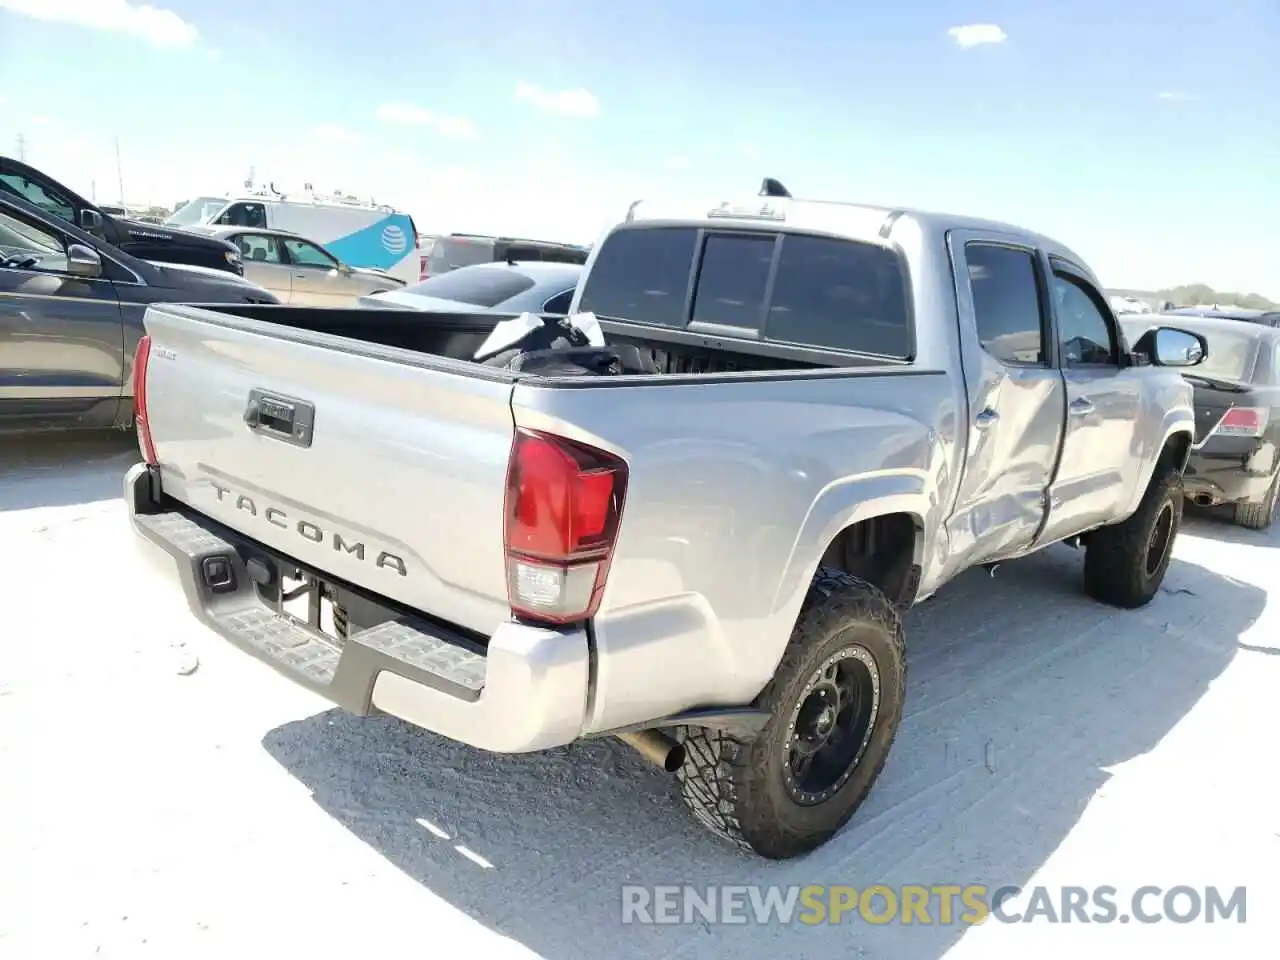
(1144,135)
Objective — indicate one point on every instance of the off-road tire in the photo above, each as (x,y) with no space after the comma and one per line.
(736,787)
(1259,516)
(1115,559)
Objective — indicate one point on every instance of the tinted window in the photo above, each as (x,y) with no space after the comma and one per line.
(840,294)
(733,280)
(305,254)
(244,215)
(1232,354)
(449,254)
(642,275)
(46,198)
(480,286)
(27,246)
(562,255)
(1084,329)
(258,248)
(559,303)
(1006,302)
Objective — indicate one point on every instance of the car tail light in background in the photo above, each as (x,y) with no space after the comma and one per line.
(423,270)
(1242,422)
(141,357)
(563,506)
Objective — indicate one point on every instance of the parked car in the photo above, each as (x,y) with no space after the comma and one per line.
(71,308)
(455,250)
(1234,460)
(298,270)
(362,233)
(144,241)
(1268,318)
(497,287)
(708,554)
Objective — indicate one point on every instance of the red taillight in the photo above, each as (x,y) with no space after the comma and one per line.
(564,503)
(1242,422)
(141,358)
(423,269)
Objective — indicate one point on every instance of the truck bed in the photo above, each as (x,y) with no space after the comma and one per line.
(399,483)
(457,336)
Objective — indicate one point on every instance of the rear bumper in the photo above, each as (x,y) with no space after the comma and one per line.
(1212,480)
(525,690)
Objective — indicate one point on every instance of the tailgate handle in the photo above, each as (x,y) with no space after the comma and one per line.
(280,418)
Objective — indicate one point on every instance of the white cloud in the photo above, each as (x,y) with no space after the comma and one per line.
(456,128)
(155,25)
(334,131)
(568,103)
(1174,96)
(976,34)
(410,115)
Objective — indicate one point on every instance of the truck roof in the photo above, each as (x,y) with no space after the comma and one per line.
(861,221)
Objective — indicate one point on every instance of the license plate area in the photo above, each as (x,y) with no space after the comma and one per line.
(307,600)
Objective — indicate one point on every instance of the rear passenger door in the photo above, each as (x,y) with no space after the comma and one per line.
(264,263)
(1095,478)
(1016,399)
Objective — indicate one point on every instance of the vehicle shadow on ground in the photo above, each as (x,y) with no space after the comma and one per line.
(1218,523)
(64,471)
(1022,693)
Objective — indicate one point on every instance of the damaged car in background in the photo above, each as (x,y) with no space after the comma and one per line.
(1234,461)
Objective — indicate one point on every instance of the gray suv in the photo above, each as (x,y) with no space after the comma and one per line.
(465,249)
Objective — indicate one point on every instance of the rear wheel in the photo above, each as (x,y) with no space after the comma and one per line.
(1259,516)
(1124,564)
(834,702)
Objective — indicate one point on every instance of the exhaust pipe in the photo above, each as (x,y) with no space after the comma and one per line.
(1204,499)
(657,748)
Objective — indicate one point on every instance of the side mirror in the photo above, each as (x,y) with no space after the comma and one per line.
(344,269)
(1171,347)
(83,262)
(90,221)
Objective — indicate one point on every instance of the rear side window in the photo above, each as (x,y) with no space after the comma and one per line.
(449,254)
(826,292)
(840,294)
(480,286)
(733,280)
(1006,303)
(642,276)
(562,255)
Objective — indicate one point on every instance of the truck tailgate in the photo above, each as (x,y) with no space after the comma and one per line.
(364,462)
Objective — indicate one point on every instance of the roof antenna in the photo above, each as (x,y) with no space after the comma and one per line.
(773,188)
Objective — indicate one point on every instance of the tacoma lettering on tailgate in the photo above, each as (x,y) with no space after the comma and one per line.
(309,530)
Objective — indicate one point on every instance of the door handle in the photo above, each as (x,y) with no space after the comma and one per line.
(985,419)
(1081,407)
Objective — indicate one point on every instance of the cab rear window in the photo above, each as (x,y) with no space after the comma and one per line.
(827,292)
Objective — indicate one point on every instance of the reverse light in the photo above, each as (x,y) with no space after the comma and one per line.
(1242,422)
(141,358)
(563,506)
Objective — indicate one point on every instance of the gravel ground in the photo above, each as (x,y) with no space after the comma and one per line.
(165,796)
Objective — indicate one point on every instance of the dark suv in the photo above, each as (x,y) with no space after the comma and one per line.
(146,241)
(456,250)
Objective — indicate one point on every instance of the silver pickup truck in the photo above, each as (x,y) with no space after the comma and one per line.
(706,555)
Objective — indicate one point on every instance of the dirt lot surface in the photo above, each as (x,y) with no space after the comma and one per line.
(165,796)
